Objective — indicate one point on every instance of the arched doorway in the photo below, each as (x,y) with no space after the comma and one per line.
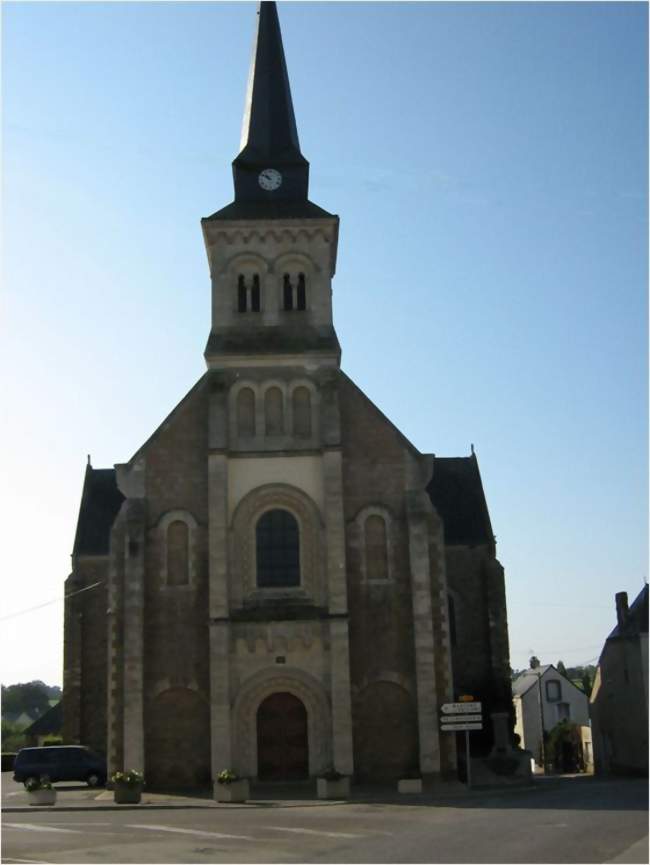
(282,747)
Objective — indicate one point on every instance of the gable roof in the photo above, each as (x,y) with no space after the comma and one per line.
(456,491)
(49,722)
(526,680)
(100,502)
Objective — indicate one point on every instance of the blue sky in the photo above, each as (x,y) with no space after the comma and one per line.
(489,165)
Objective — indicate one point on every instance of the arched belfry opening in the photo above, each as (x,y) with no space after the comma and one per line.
(282,739)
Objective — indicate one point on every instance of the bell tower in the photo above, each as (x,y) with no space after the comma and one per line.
(272,252)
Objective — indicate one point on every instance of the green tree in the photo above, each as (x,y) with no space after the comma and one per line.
(561,668)
(31,697)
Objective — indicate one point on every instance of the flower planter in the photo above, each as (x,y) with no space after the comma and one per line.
(235,791)
(409,785)
(327,789)
(41,797)
(127,794)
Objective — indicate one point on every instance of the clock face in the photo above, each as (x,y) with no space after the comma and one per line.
(269,179)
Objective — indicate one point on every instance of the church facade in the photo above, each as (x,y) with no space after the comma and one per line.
(278,581)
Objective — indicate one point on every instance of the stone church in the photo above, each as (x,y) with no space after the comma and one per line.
(278,581)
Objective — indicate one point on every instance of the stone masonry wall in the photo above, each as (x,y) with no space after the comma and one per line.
(381,618)
(176,650)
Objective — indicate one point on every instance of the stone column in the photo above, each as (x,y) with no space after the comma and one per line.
(342,749)
(134,558)
(425,674)
(220,718)
(218,535)
(337,590)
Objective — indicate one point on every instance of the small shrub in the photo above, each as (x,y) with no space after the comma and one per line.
(8,760)
(128,779)
(227,776)
(332,775)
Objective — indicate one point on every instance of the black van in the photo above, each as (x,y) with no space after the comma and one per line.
(61,763)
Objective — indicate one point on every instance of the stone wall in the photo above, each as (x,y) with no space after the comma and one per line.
(382,662)
(85,654)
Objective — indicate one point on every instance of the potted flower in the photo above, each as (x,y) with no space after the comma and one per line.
(230,787)
(40,791)
(333,785)
(127,787)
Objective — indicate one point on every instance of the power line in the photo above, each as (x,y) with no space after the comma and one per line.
(48,603)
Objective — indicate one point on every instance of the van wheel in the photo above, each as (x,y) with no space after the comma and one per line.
(94,780)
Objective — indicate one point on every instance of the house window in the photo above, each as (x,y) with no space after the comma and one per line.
(301,401)
(376,548)
(563,711)
(246,412)
(553,691)
(277,539)
(177,554)
(274,412)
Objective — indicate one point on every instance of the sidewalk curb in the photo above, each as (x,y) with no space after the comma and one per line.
(433,800)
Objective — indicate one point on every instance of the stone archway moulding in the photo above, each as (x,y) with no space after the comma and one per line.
(301,685)
(243,549)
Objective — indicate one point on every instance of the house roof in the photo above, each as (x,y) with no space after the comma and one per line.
(100,502)
(525,681)
(49,722)
(637,617)
(456,491)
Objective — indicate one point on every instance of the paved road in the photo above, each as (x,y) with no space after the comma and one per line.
(567,820)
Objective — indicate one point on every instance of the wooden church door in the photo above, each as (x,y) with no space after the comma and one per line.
(282,751)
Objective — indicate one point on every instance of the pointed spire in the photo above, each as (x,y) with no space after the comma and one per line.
(269,125)
(269,135)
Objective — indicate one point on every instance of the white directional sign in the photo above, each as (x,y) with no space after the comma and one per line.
(461,719)
(460,708)
(455,728)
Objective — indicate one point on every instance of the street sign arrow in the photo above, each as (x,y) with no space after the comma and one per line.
(461,719)
(460,708)
(455,728)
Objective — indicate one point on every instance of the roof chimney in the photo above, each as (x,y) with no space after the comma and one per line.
(621,609)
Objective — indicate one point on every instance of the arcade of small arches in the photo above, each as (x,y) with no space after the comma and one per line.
(293,297)
(274,411)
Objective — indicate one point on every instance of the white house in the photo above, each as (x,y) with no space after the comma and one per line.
(542,698)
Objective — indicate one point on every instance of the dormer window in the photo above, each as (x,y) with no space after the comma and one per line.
(248,293)
(294,293)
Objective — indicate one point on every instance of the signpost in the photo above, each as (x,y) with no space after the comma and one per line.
(466,715)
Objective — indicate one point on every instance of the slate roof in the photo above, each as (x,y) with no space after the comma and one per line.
(49,722)
(456,492)
(525,681)
(100,502)
(274,340)
(637,620)
(279,209)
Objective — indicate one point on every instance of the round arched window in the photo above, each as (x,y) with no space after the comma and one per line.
(277,539)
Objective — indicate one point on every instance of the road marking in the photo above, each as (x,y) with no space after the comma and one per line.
(190,832)
(34,861)
(312,832)
(34,827)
